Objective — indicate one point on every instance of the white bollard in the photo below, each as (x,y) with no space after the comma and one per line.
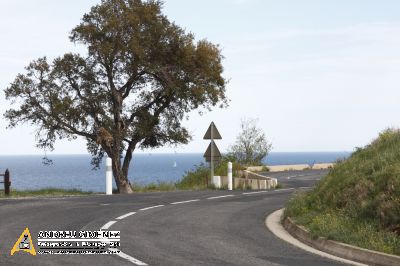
(216,181)
(108,176)
(229,176)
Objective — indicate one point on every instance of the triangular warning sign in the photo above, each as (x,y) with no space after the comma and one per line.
(216,154)
(212,129)
(24,243)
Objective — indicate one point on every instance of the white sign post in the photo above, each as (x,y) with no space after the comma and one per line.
(229,176)
(108,176)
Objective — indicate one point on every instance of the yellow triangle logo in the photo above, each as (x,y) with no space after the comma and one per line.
(24,243)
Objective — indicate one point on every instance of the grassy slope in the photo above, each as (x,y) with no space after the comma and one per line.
(358,202)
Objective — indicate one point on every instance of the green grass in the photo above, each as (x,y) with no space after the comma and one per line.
(155,187)
(336,225)
(45,192)
(358,202)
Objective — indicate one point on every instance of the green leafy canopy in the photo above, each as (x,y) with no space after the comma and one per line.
(141,76)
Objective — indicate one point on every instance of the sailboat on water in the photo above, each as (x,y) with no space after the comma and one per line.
(175,164)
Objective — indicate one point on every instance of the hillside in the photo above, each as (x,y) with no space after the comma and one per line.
(358,202)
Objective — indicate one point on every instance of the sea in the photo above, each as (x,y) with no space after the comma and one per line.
(75,171)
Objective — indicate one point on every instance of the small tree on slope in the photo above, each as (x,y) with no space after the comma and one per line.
(251,145)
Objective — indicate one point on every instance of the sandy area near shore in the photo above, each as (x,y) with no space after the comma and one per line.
(279,168)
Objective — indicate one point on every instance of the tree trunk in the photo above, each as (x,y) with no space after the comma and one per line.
(121,180)
(127,159)
(125,187)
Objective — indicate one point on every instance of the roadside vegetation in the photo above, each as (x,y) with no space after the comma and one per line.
(46,192)
(250,148)
(358,202)
(197,179)
(251,145)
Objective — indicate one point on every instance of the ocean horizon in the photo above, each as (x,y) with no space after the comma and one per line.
(75,171)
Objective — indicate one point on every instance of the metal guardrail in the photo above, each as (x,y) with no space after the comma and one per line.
(6,182)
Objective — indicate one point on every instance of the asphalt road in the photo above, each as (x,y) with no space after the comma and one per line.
(200,228)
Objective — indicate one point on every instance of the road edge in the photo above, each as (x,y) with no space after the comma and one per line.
(273,223)
(340,249)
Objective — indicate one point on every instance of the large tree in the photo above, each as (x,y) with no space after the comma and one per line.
(141,75)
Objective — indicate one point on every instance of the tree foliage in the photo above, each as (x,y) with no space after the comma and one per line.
(142,74)
(251,145)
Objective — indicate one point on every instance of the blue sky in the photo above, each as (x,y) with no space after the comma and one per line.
(319,75)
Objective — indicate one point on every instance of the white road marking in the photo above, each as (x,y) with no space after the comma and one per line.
(249,193)
(305,187)
(291,176)
(105,204)
(282,189)
(107,225)
(125,215)
(127,257)
(221,197)
(181,202)
(152,207)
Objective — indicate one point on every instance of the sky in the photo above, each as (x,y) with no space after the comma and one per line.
(318,75)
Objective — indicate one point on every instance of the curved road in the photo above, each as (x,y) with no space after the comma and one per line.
(183,228)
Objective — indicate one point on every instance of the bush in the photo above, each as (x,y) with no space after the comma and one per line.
(221,169)
(195,179)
